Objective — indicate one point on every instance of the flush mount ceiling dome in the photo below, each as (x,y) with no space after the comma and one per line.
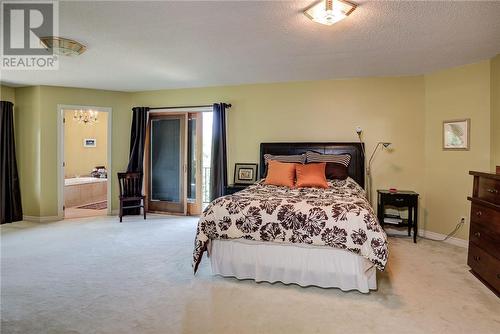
(63,46)
(328,12)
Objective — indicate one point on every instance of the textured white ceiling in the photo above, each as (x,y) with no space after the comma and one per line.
(153,45)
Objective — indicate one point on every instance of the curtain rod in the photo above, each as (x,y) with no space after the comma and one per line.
(227,105)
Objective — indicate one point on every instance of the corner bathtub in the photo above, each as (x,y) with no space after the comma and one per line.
(84,190)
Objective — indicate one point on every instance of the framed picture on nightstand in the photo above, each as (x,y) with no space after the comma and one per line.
(245,173)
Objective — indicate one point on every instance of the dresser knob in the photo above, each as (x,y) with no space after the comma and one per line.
(476,258)
(492,191)
(477,234)
(479,213)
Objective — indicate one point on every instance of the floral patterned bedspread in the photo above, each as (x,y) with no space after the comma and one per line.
(339,217)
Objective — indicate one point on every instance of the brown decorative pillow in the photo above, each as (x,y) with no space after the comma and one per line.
(336,164)
(336,171)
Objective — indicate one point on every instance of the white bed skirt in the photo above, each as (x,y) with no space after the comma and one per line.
(299,264)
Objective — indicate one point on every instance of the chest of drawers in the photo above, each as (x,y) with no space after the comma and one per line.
(484,236)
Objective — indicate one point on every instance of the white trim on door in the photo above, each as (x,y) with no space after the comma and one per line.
(60,153)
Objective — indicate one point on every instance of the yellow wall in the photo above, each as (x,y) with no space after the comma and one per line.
(28,147)
(80,160)
(388,109)
(51,97)
(495,112)
(36,140)
(456,93)
(7,94)
(407,111)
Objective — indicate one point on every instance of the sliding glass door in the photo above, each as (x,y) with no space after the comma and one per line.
(173,167)
(167,163)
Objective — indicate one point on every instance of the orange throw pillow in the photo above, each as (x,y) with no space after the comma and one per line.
(311,175)
(281,174)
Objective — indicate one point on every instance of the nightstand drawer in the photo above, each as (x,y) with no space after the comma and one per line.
(396,200)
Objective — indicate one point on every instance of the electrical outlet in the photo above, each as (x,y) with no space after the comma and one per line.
(359,130)
(463,220)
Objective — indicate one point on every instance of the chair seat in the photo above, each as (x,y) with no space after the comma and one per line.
(136,198)
(132,206)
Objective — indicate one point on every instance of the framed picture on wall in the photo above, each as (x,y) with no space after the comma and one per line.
(456,135)
(245,173)
(89,142)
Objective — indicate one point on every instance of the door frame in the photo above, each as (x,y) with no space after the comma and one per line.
(60,154)
(170,111)
(147,158)
(195,208)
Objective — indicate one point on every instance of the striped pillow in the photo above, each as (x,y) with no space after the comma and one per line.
(343,159)
(299,158)
(336,164)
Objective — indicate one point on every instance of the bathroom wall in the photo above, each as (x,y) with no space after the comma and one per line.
(80,160)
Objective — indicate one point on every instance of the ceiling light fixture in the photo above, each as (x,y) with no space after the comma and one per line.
(63,46)
(329,12)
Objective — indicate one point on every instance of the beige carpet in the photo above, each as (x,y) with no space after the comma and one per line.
(95,275)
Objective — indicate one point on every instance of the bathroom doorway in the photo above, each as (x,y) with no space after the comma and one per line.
(85,161)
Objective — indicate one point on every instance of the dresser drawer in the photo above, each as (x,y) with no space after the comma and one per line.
(488,190)
(485,265)
(486,217)
(484,238)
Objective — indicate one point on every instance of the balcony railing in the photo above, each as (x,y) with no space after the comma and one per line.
(206,185)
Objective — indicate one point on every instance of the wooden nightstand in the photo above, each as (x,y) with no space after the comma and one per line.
(399,199)
(233,188)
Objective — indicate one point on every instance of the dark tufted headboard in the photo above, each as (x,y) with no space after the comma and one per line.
(355,150)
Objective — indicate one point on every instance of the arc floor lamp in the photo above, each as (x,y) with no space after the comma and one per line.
(368,170)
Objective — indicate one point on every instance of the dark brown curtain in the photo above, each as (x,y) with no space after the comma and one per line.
(10,194)
(137,139)
(137,143)
(218,171)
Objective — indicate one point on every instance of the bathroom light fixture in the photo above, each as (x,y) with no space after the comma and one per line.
(329,12)
(85,116)
(63,46)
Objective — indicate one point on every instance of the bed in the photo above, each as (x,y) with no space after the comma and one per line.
(307,236)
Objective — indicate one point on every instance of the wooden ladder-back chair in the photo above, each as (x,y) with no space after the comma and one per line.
(131,191)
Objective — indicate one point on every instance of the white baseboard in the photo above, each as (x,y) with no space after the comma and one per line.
(454,241)
(44,219)
(432,235)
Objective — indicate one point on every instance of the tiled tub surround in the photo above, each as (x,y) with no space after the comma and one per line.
(84,190)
